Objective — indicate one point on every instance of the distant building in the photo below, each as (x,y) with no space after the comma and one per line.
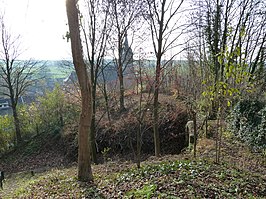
(5,104)
(127,60)
(5,108)
(127,56)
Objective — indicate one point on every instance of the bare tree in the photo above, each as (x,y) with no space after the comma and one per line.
(165,31)
(16,75)
(124,15)
(84,162)
(232,25)
(102,85)
(143,104)
(96,30)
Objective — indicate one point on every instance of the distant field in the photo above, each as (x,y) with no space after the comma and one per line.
(57,69)
(58,72)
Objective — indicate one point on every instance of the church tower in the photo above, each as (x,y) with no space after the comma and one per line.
(127,55)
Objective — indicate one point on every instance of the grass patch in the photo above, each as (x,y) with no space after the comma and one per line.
(166,177)
(56,184)
(146,191)
(174,179)
(188,178)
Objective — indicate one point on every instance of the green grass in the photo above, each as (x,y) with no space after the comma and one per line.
(53,69)
(58,72)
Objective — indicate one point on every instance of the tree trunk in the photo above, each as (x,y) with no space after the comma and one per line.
(106,98)
(141,114)
(93,120)
(121,87)
(84,163)
(14,102)
(139,144)
(155,110)
(195,134)
(17,124)
(217,159)
(159,55)
(92,135)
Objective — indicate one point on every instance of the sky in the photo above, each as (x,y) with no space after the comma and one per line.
(41,25)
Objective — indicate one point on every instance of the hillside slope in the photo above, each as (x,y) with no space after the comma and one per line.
(240,175)
(45,150)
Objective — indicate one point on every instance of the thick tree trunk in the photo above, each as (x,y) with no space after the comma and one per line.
(17,124)
(84,163)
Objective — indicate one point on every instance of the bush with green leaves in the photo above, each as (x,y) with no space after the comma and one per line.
(260,139)
(55,110)
(50,108)
(7,133)
(29,119)
(48,114)
(248,122)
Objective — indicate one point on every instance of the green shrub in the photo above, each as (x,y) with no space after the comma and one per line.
(248,122)
(55,111)
(29,119)
(260,139)
(50,109)
(48,114)
(7,133)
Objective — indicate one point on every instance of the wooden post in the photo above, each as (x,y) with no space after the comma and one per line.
(2,177)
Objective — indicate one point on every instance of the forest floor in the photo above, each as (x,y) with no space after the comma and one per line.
(240,174)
